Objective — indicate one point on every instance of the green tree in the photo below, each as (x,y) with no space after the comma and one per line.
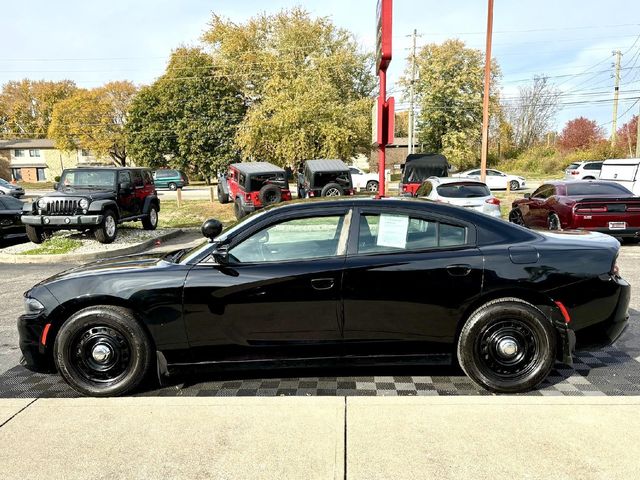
(449,95)
(188,118)
(26,106)
(307,84)
(94,120)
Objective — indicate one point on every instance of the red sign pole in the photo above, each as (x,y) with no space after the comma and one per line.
(382,98)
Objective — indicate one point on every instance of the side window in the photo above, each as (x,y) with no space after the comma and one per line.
(148,179)
(392,233)
(354,171)
(299,239)
(544,191)
(474,172)
(425,189)
(124,177)
(137,178)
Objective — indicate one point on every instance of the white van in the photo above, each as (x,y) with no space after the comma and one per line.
(624,171)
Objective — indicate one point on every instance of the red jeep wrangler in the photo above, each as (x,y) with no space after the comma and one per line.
(253,185)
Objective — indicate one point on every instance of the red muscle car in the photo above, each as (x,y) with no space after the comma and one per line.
(592,205)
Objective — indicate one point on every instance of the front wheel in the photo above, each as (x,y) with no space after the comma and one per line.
(515,216)
(150,222)
(35,234)
(507,346)
(514,185)
(108,229)
(103,351)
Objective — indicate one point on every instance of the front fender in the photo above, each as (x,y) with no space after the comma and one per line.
(99,206)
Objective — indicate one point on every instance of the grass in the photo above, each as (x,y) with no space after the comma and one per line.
(192,213)
(54,246)
(36,185)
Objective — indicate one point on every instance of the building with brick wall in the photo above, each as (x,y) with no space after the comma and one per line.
(395,156)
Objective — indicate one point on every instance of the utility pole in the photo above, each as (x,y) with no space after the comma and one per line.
(616,92)
(412,93)
(638,136)
(485,99)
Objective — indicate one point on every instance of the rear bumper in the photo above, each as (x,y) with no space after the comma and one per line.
(62,220)
(633,232)
(35,355)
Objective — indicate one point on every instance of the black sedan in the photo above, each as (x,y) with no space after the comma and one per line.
(10,213)
(360,280)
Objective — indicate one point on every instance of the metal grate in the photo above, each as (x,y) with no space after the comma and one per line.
(57,206)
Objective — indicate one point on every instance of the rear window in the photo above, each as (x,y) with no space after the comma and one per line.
(463,190)
(589,189)
(573,166)
(258,181)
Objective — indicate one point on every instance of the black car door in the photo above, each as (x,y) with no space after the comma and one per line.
(276,296)
(10,212)
(409,278)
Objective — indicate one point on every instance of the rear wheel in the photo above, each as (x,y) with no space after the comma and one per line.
(553,222)
(36,234)
(372,186)
(507,346)
(332,190)
(222,197)
(150,222)
(108,229)
(514,185)
(103,351)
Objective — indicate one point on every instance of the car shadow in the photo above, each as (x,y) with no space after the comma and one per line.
(13,239)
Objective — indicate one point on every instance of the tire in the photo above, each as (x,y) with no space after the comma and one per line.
(222,197)
(150,222)
(332,190)
(515,216)
(35,234)
(238,211)
(125,364)
(486,346)
(108,230)
(514,185)
(372,186)
(270,194)
(553,222)
(172,186)
(588,178)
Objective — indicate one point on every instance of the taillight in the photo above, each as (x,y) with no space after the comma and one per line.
(493,201)
(633,209)
(247,197)
(573,172)
(599,209)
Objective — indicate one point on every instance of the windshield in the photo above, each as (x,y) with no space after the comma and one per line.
(463,190)
(588,189)
(4,182)
(88,178)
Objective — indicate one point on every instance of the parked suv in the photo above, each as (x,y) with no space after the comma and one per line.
(326,178)
(171,179)
(368,181)
(583,171)
(96,199)
(252,185)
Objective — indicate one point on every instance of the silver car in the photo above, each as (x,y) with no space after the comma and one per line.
(7,188)
(461,192)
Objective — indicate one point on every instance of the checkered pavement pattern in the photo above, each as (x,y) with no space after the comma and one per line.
(614,370)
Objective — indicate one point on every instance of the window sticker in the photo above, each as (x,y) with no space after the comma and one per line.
(392,231)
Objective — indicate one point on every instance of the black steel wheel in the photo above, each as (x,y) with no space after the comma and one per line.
(102,351)
(507,346)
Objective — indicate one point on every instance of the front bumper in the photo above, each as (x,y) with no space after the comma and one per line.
(62,220)
(35,355)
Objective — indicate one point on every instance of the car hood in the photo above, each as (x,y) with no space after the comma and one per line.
(70,192)
(107,266)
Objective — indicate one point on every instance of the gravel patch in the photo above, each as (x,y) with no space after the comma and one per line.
(88,244)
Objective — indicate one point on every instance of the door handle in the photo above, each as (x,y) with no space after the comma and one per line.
(322,283)
(458,270)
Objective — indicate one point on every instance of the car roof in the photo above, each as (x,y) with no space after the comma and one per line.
(622,161)
(445,180)
(108,168)
(326,165)
(556,183)
(256,167)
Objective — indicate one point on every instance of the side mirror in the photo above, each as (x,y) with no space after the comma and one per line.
(56,185)
(527,196)
(211,228)
(125,187)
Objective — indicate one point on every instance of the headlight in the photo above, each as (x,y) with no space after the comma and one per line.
(84,203)
(42,203)
(31,305)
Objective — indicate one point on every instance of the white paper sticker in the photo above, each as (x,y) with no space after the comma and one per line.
(392,231)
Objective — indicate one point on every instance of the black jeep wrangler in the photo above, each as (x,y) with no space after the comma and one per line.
(96,199)
(325,178)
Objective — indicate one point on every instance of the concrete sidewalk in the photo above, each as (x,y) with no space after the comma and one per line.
(294,437)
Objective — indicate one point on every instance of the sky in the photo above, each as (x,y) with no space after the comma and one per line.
(571,41)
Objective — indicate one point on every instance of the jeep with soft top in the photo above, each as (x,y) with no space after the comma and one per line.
(326,178)
(95,199)
(253,185)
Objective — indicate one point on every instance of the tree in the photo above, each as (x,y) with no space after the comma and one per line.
(580,133)
(188,118)
(26,106)
(627,136)
(449,95)
(94,120)
(402,124)
(532,113)
(307,85)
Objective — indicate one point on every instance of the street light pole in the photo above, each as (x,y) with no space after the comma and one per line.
(485,98)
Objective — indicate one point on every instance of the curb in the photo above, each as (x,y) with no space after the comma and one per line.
(86,257)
